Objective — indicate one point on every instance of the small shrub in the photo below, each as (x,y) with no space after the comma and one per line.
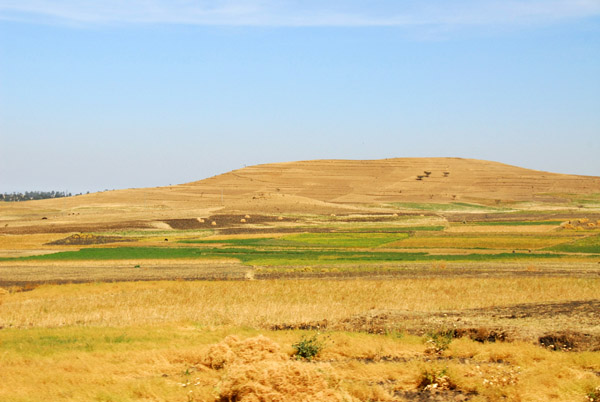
(593,395)
(439,341)
(307,348)
(432,379)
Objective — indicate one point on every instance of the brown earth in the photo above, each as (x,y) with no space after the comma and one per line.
(320,187)
(84,239)
(551,325)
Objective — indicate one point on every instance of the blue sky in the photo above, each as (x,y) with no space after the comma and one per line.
(119,94)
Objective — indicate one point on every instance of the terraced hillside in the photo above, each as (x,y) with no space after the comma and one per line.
(448,185)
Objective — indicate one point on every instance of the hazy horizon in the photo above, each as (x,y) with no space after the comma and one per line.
(125,95)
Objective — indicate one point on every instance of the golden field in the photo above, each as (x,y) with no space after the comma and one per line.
(477,281)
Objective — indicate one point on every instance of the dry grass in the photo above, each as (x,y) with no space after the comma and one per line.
(122,270)
(256,370)
(32,244)
(171,341)
(178,363)
(280,301)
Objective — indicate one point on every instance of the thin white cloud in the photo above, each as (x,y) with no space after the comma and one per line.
(403,13)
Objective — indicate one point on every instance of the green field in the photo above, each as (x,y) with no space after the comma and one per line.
(453,206)
(517,223)
(589,244)
(351,246)
(346,239)
(269,256)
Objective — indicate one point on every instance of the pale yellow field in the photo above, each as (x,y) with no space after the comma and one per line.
(152,341)
(280,301)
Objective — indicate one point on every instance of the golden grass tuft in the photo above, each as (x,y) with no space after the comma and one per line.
(233,351)
(255,370)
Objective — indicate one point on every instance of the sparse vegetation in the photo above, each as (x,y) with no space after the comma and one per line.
(438,341)
(435,379)
(308,347)
(594,394)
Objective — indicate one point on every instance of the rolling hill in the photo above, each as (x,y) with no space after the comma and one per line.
(308,187)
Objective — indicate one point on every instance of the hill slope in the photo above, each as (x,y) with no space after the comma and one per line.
(316,187)
(402,179)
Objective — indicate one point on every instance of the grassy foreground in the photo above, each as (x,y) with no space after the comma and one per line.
(169,341)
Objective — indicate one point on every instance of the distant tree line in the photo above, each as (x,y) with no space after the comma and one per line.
(34,195)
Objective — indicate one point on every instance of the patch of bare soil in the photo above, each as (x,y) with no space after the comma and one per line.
(446,395)
(221,221)
(503,217)
(70,228)
(493,324)
(383,217)
(255,230)
(85,239)
(569,340)
(583,308)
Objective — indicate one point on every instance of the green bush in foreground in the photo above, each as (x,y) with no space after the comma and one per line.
(439,341)
(307,348)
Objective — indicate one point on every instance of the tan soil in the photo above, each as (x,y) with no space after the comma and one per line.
(310,187)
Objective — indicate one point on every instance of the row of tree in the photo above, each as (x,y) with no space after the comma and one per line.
(34,195)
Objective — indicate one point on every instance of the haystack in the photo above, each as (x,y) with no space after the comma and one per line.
(256,370)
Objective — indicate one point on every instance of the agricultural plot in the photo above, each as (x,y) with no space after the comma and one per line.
(381,308)
(270,256)
(362,240)
(483,241)
(448,207)
(345,245)
(590,244)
